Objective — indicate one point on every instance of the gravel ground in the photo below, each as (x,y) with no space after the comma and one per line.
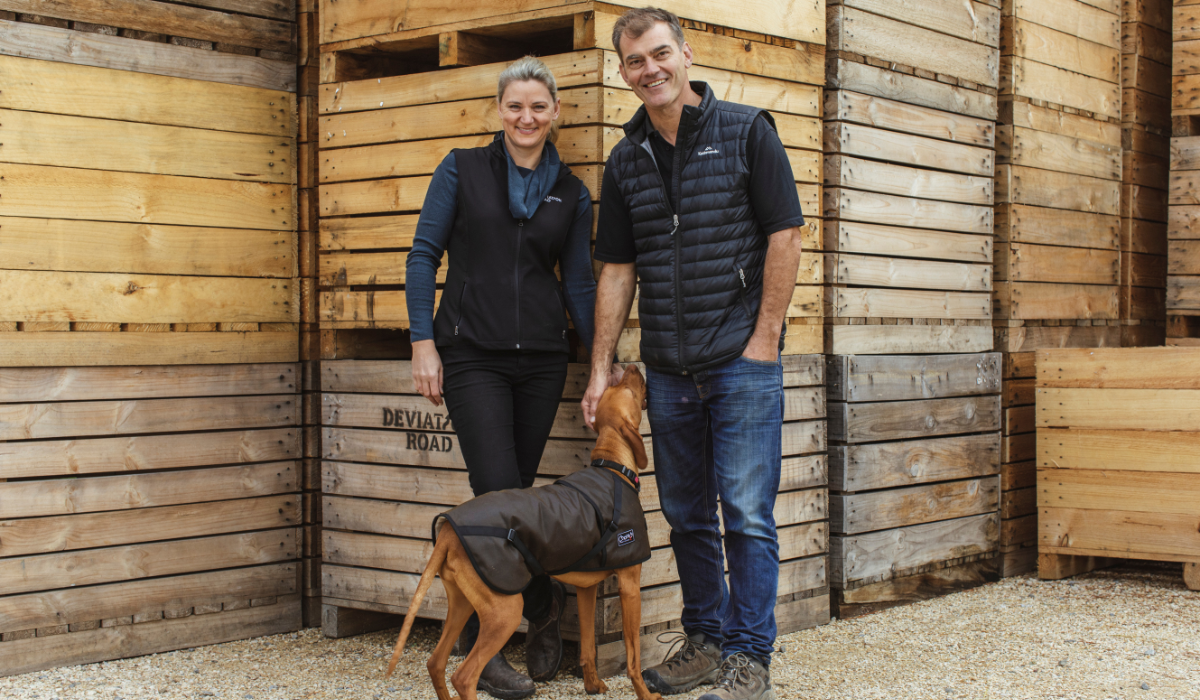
(1130,632)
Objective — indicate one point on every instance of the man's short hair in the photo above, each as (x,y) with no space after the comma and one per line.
(638,21)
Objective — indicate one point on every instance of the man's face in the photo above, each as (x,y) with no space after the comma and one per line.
(655,66)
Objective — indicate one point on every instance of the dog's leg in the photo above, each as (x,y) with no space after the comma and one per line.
(497,622)
(446,538)
(458,612)
(587,640)
(629,582)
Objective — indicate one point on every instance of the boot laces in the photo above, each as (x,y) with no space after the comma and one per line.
(735,671)
(681,650)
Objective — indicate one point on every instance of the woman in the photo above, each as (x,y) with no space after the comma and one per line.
(497,349)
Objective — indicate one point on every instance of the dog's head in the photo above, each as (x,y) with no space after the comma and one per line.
(618,419)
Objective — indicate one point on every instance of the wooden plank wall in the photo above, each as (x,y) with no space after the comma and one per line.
(146,509)
(1183,255)
(910,134)
(392,463)
(1058,213)
(1145,142)
(149,407)
(129,223)
(1117,475)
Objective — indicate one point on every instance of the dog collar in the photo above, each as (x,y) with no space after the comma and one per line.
(620,469)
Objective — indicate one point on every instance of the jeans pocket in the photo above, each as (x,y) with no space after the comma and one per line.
(760,363)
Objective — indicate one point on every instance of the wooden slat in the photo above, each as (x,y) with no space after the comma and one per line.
(1027,339)
(872,271)
(132,454)
(906,303)
(907,149)
(1121,492)
(876,340)
(169,19)
(1118,409)
(1066,51)
(105,144)
(874,208)
(908,462)
(872,422)
(1018,262)
(844,105)
(70,193)
(69,569)
(912,505)
(1019,223)
(1037,149)
(68,532)
(974,21)
(856,237)
(122,298)
(101,246)
(29,499)
(26,349)
(1071,17)
(879,554)
(1165,536)
(866,34)
(910,89)
(47,608)
(91,384)
(1124,450)
(1043,188)
(85,647)
(1026,115)
(1125,368)
(1040,81)
(56,45)
(75,419)
(365,234)
(85,91)
(908,377)
(903,180)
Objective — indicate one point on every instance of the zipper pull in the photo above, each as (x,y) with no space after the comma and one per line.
(742,276)
(456,330)
(675,221)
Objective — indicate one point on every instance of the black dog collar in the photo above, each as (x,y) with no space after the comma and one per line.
(620,469)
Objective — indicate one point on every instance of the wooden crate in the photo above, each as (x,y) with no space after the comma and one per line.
(1018,497)
(1145,141)
(139,228)
(909,137)
(385,122)
(146,509)
(1117,473)
(914,476)
(1183,258)
(391,463)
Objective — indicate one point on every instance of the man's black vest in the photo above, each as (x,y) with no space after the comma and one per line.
(700,251)
(501,292)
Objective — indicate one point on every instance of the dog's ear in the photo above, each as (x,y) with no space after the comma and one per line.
(630,432)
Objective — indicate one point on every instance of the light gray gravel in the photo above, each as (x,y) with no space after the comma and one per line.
(1130,632)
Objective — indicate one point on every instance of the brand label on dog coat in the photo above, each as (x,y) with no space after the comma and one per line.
(624,538)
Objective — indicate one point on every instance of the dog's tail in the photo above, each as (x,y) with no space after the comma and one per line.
(435,564)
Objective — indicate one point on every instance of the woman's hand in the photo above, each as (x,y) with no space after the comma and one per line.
(427,371)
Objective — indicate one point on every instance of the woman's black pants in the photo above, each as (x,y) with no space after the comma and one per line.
(502,405)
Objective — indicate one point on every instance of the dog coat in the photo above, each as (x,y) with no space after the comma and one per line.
(591,520)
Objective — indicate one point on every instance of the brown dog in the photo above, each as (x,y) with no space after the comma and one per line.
(618,416)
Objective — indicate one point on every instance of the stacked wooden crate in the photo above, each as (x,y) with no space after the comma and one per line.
(910,115)
(392,462)
(1183,256)
(1145,141)
(399,90)
(1117,473)
(1058,182)
(147,232)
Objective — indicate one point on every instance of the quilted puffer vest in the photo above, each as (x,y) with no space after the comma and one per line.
(590,520)
(700,251)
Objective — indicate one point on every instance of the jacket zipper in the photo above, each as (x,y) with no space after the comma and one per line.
(461,296)
(673,197)
(517,278)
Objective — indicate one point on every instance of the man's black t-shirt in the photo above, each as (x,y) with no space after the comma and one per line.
(773,193)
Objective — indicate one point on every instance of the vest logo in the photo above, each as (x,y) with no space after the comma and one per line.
(552,198)
(708,151)
(624,538)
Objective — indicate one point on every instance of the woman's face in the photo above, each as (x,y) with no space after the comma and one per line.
(527,111)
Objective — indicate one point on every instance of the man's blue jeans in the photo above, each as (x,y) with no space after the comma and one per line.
(718,433)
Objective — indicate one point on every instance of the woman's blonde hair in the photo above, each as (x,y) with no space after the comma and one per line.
(529,68)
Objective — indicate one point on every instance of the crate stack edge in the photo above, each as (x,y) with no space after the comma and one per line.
(1183,229)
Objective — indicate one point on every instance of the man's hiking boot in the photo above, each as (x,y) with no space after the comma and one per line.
(543,641)
(693,661)
(504,682)
(742,677)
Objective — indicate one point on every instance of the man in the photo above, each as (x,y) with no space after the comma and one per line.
(699,202)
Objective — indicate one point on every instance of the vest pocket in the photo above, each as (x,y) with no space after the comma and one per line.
(462,297)
(742,289)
